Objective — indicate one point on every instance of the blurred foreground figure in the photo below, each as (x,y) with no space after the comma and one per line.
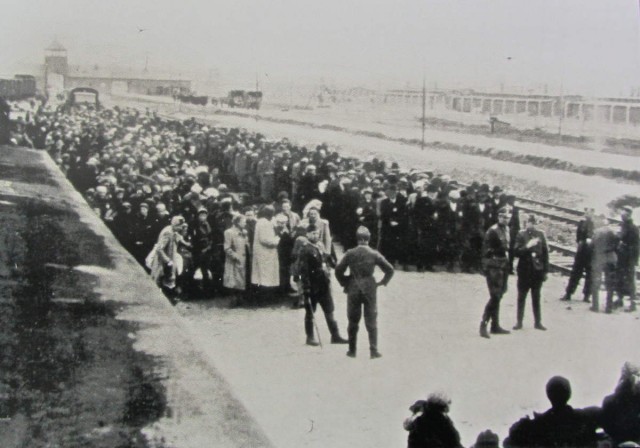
(559,426)
(361,288)
(430,426)
(620,417)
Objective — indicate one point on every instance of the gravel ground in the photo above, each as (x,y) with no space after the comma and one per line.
(428,324)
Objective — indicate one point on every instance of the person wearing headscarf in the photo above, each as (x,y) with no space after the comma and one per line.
(165,261)
(236,249)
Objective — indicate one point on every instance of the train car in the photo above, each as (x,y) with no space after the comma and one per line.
(83,95)
(20,87)
(245,99)
(27,85)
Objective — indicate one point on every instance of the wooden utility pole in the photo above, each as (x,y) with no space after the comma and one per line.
(424,107)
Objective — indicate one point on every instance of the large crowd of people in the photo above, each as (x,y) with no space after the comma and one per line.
(138,170)
(212,211)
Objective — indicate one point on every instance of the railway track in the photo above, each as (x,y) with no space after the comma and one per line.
(561,257)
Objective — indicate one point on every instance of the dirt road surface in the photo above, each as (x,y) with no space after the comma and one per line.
(310,397)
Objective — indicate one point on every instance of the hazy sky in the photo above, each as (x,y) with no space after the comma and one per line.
(591,45)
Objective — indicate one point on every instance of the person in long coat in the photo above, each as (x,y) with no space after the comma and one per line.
(265,268)
(394,220)
(604,259)
(164,261)
(627,251)
(313,218)
(236,247)
(533,265)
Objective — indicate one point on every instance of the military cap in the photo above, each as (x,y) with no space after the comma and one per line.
(363,233)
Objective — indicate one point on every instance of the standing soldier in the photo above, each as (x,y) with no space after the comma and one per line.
(603,260)
(627,259)
(316,284)
(532,250)
(582,260)
(361,288)
(495,263)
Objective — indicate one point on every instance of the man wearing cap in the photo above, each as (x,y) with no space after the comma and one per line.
(495,263)
(143,237)
(316,284)
(425,221)
(582,260)
(366,212)
(201,240)
(393,225)
(533,265)
(627,259)
(361,288)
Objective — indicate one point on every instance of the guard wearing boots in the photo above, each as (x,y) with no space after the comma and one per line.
(361,288)
(533,265)
(316,284)
(495,264)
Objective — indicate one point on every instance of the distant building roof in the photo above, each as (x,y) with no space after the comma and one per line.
(56,46)
(109,73)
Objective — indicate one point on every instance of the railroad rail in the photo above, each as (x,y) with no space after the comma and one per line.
(561,257)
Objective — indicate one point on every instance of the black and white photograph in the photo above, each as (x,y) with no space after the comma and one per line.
(336,224)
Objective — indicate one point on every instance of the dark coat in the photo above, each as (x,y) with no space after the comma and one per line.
(433,429)
(314,272)
(534,261)
(495,261)
(558,427)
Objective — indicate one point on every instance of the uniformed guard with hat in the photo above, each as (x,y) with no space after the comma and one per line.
(361,288)
(495,264)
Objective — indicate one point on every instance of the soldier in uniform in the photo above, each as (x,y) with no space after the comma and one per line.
(582,260)
(361,288)
(316,284)
(627,259)
(603,260)
(533,265)
(495,263)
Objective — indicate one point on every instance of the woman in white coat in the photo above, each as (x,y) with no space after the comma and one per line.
(265,268)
